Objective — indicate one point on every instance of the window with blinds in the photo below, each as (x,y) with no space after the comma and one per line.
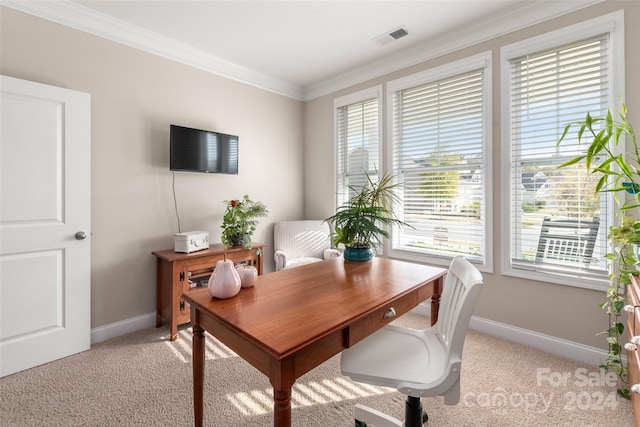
(357,146)
(439,141)
(549,89)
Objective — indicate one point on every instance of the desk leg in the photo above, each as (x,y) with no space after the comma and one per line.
(173,330)
(198,374)
(282,379)
(282,408)
(435,300)
(158,293)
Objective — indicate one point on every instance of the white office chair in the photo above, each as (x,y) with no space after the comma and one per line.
(418,363)
(301,242)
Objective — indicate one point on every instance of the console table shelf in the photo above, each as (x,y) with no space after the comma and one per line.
(178,273)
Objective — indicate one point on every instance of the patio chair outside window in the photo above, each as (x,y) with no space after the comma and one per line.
(569,241)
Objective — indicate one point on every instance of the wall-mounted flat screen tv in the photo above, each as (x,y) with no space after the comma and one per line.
(195,150)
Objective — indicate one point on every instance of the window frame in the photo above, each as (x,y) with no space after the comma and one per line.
(614,25)
(374,92)
(474,62)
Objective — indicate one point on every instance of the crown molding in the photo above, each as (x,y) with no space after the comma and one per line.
(82,18)
(516,18)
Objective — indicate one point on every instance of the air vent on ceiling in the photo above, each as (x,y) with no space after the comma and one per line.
(392,35)
(401,32)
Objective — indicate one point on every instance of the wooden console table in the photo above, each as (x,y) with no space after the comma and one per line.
(180,273)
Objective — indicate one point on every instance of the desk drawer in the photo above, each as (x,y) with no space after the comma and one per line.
(376,320)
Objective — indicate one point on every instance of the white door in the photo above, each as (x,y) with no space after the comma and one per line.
(45,268)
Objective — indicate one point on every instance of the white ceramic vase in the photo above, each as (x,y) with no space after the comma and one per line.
(248,275)
(224,281)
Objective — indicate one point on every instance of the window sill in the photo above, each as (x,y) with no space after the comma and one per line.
(592,283)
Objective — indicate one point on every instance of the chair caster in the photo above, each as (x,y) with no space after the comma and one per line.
(425,418)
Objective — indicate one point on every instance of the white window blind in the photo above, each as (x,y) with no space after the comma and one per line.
(357,146)
(548,90)
(439,156)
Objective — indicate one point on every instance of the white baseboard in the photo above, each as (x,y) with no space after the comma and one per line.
(123,327)
(550,344)
(558,346)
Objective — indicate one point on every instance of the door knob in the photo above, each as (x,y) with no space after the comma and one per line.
(81,235)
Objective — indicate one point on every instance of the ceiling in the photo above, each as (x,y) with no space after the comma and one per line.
(301,48)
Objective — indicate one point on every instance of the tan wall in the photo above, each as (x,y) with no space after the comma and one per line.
(134,98)
(566,312)
(136,95)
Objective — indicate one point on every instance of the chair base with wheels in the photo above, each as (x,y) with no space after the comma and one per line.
(414,415)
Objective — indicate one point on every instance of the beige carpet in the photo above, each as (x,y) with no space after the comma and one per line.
(142,379)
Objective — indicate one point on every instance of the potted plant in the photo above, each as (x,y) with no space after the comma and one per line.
(240,220)
(363,220)
(620,175)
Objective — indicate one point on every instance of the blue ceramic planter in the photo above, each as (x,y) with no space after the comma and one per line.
(358,254)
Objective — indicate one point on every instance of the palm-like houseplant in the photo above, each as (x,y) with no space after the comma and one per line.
(364,220)
(621,176)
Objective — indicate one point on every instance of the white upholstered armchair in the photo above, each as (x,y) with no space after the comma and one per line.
(302,242)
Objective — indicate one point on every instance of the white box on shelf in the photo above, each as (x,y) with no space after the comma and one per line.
(191,241)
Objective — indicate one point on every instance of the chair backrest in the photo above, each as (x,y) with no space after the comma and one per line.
(297,239)
(567,240)
(459,295)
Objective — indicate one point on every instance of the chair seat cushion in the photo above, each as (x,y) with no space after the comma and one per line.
(295,262)
(393,356)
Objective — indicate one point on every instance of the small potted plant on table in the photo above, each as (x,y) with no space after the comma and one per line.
(240,220)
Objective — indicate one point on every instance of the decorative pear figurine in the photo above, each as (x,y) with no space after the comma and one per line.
(224,281)
(248,275)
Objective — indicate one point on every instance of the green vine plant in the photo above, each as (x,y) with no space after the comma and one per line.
(623,257)
(620,175)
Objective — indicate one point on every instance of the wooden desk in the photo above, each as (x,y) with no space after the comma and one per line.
(294,320)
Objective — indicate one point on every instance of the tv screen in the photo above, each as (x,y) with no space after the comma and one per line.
(196,150)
